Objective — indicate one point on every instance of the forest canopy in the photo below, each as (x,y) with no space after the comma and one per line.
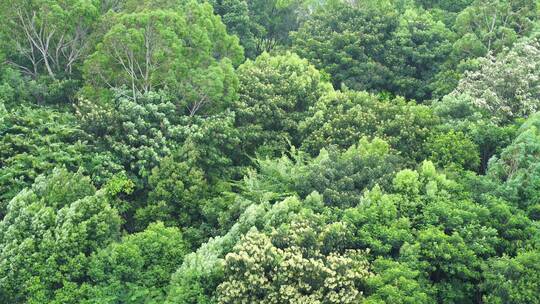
(270,151)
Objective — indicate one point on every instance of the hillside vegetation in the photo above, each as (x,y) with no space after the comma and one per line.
(270,151)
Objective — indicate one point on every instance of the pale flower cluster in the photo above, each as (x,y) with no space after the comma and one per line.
(296,271)
(506,86)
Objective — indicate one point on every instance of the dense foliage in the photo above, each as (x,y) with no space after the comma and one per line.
(270,151)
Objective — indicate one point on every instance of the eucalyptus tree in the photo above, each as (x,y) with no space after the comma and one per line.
(46,37)
(180,48)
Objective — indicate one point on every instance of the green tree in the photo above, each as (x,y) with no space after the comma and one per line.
(185,52)
(515,230)
(339,176)
(496,23)
(48,235)
(513,280)
(381,226)
(449,263)
(518,167)
(342,118)
(138,133)
(342,176)
(34,140)
(12,86)
(330,40)
(261,25)
(422,45)
(181,196)
(368,45)
(395,282)
(180,164)
(454,149)
(273,20)
(275,94)
(138,268)
(178,190)
(212,143)
(447,5)
(459,115)
(236,16)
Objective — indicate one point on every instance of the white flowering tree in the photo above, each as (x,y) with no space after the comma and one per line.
(507,86)
(293,268)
